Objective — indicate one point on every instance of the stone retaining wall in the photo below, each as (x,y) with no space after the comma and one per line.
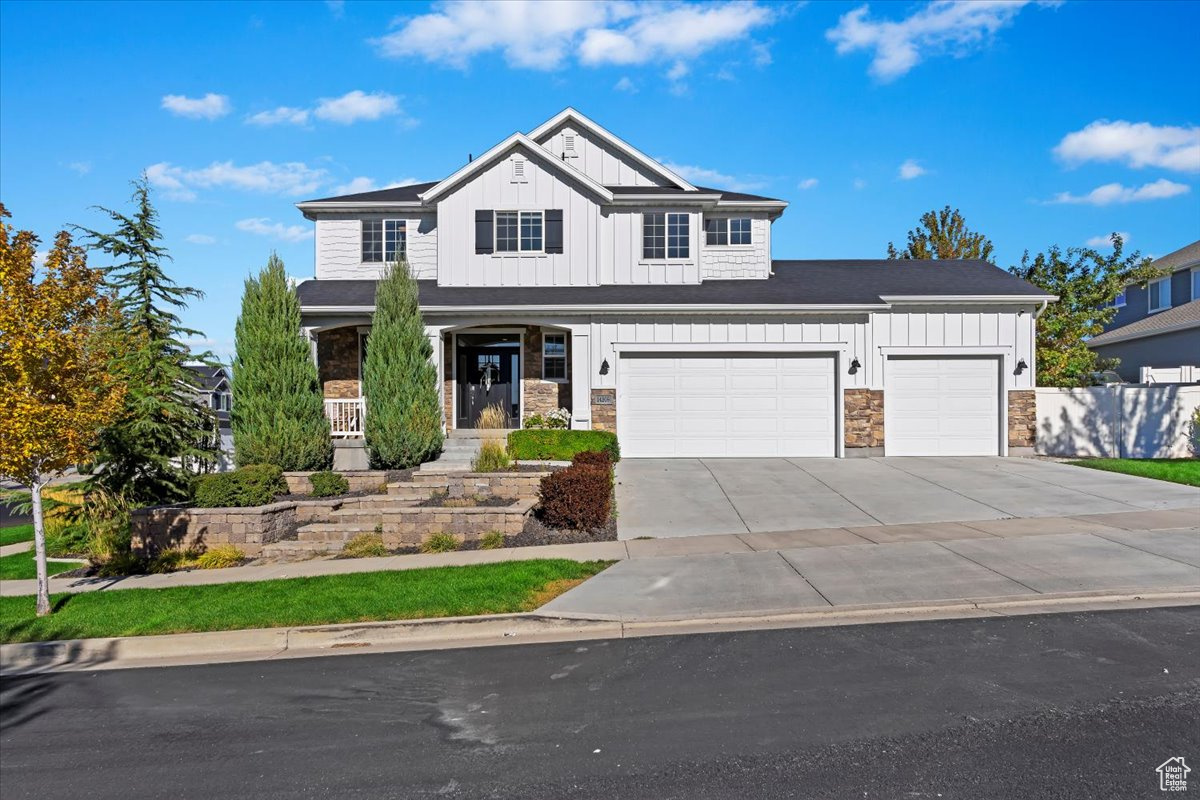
(374,480)
(406,527)
(174,527)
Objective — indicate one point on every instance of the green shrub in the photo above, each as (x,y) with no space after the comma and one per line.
(328,484)
(220,557)
(535,421)
(578,497)
(126,563)
(440,543)
(557,445)
(492,457)
(254,485)
(172,560)
(492,540)
(365,545)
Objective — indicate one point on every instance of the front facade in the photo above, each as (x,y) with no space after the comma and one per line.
(564,269)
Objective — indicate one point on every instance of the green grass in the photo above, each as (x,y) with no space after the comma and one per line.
(1176,470)
(409,594)
(19,566)
(16,533)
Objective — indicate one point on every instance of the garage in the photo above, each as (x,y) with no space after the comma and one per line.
(699,405)
(941,406)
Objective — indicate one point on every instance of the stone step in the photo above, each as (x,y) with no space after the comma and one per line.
(331,533)
(298,549)
(479,433)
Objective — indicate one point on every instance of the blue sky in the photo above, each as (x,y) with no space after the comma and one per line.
(1044,122)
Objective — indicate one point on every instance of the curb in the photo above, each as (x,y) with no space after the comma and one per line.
(523,628)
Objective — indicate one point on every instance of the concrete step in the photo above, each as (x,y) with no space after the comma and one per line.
(479,433)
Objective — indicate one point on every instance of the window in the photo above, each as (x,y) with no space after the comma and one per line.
(531,231)
(1196,283)
(665,236)
(383,240)
(1159,292)
(554,357)
(739,231)
(1119,300)
(722,231)
(518,231)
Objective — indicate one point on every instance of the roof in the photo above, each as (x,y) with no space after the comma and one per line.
(1187,256)
(209,377)
(725,196)
(1173,319)
(795,283)
(393,194)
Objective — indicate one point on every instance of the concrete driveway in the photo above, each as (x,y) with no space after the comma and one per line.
(695,497)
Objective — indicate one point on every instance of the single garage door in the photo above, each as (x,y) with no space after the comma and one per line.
(725,404)
(946,406)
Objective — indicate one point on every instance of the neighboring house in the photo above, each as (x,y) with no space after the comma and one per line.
(1157,326)
(214,391)
(564,268)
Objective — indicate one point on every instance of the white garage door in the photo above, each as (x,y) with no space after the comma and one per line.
(941,407)
(724,404)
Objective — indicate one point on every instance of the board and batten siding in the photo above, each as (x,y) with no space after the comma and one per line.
(739,261)
(339,246)
(621,239)
(599,161)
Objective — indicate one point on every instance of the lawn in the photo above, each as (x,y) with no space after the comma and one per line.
(21,565)
(362,597)
(1176,470)
(16,533)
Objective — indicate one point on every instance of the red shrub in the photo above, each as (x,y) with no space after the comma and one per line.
(595,458)
(578,497)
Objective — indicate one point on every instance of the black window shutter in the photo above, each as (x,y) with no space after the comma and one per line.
(554,230)
(483,231)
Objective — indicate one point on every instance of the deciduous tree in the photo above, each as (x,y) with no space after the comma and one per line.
(943,234)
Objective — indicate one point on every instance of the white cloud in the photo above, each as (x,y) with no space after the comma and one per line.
(954,26)
(283,115)
(808,183)
(678,71)
(1111,193)
(356,105)
(289,179)
(625,85)
(262,226)
(211,106)
(39,258)
(711,177)
(200,238)
(1106,240)
(542,34)
(910,169)
(1135,144)
(82,167)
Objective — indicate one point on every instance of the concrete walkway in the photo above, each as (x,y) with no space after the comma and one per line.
(695,497)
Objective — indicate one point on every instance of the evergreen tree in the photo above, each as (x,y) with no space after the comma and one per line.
(162,430)
(943,234)
(278,414)
(403,426)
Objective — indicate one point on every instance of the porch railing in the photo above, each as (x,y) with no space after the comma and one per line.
(345,416)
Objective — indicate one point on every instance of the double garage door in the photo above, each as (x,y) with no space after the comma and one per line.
(779,405)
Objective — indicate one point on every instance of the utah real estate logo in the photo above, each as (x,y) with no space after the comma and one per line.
(1172,775)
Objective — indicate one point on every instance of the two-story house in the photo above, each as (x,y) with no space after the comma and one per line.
(1157,326)
(564,268)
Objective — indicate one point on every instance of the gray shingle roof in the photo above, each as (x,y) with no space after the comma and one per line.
(395,194)
(1173,319)
(1186,256)
(725,195)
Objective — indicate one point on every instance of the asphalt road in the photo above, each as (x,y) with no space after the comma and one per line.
(1063,706)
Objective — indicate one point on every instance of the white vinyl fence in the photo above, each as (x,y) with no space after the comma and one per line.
(1184,374)
(1117,421)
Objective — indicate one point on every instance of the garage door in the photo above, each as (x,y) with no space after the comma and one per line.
(723,404)
(942,407)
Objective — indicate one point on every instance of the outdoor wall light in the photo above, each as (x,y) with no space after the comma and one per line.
(1021,367)
(855,366)
(604,367)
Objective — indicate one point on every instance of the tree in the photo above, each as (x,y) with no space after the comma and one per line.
(57,337)
(278,415)
(1086,284)
(403,426)
(145,454)
(943,234)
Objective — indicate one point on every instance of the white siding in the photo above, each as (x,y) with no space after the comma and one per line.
(339,245)
(621,241)
(742,261)
(599,161)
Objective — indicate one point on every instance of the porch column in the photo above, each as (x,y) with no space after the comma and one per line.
(581,377)
(311,335)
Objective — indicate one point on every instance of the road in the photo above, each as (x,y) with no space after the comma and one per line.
(1059,706)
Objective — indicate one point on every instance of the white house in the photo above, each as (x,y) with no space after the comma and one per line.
(565,268)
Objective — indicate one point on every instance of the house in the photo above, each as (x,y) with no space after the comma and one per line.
(1157,326)
(564,268)
(214,390)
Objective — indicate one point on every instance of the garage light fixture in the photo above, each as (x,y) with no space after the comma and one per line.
(1021,367)
(604,367)
(855,366)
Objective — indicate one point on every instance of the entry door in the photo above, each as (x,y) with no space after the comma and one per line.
(486,377)
(726,404)
(944,406)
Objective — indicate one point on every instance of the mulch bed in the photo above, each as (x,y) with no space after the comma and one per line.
(538,533)
(441,500)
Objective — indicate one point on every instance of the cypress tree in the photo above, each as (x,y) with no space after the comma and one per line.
(403,426)
(278,415)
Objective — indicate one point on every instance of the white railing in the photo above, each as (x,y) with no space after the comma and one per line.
(1186,374)
(345,416)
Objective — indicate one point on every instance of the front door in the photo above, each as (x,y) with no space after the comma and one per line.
(487,375)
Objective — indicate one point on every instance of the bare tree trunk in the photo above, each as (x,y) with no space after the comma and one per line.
(39,547)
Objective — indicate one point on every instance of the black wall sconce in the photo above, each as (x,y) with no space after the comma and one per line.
(604,367)
(855,366)
(1021,367)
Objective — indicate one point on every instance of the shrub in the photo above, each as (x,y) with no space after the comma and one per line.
(492,457)
(492,540)
(492,417)
(578,497)
(220,557)
(126,563)
(328,484)
(558,419)
(535,421)
(172,560)
(365,545)
(440,543)
(254,485)
(592,458)
(557,445)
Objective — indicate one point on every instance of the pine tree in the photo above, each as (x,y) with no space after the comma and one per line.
(944,234)
(403,426)
(145,453)
(278,415)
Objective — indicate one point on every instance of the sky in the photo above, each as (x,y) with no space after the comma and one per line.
(1045,123)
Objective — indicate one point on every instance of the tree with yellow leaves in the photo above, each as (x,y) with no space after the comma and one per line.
(58,334)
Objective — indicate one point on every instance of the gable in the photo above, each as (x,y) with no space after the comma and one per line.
(598,159)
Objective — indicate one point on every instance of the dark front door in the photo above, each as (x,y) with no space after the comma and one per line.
(487,376)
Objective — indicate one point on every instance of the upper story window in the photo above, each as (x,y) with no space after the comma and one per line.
(666,235)
(1196,283)
(721,231)
(554,357)
(1159,292)
(221,401)
(519,231)
(1119,300)
(383,240)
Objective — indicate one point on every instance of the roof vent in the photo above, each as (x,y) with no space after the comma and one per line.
(518,171)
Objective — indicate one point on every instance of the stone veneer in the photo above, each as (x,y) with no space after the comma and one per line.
(374,480)
(604,415)
(173,527)
(1022,418)
(542,397)
(337,362)
(403,527)
(864,418)
(448,380)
